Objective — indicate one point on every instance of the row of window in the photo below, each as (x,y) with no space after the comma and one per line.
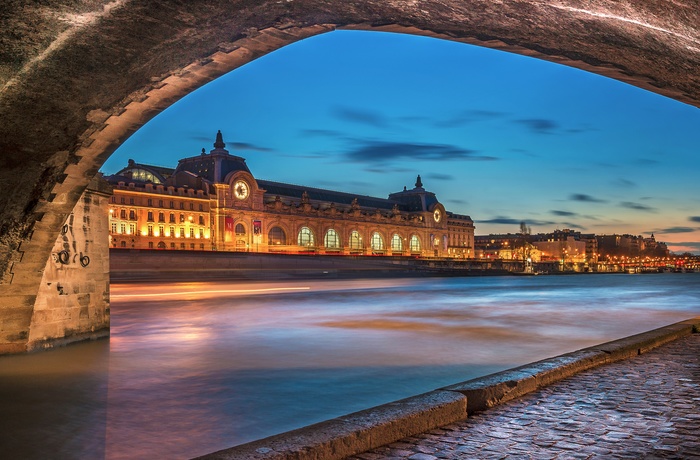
(331,240)
(130,229)
(161,203)
(161,217)
(161,245)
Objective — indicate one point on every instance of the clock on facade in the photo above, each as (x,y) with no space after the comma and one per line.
(437,215)
(240,190)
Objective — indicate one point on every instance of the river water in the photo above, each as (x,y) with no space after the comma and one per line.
(192,368)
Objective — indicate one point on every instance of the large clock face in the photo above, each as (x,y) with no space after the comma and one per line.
(437,215)
(240,190)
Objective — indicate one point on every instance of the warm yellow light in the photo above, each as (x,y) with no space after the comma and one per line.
(144,233)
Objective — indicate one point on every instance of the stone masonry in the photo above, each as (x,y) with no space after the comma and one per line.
(77,78)
(645,407)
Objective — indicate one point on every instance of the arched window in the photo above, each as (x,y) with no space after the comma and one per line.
(305,237)
(276,236)
(161,245)
(415,244)
(240,229)
(396,243)
(377,242)
(355,240)
(331,239)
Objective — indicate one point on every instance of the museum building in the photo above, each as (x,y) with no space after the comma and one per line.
(212,202)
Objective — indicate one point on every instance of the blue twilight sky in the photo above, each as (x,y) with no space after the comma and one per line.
(500,137)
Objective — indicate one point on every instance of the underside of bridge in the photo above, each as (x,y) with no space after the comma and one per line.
(78,77)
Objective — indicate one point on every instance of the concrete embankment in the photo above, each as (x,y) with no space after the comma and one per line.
(135,265)
(371,428)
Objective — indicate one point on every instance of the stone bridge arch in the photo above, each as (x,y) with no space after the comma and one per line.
(78,77)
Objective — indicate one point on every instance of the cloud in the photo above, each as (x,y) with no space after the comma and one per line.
(581,129)
(636,206)
(382,170)
(563,213)
(624,183)
(511,221)
(457,201)
(694,218)
(539,125)
(585,198)
(414,119)
(363,117)
(378,152)
(687,246)
(676,230)
(469,116)
(320,133)
(438,176)
(574,226)
(247,146)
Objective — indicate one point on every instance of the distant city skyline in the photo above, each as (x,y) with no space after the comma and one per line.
(500,137)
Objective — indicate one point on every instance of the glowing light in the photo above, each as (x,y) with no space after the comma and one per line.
(220,291)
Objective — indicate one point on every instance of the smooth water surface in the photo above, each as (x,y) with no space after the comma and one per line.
(194,368)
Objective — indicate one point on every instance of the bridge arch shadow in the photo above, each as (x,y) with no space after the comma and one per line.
(68,103)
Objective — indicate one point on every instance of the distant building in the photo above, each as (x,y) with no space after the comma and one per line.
(631,246)
(212,202)
(506,246)
(566,245)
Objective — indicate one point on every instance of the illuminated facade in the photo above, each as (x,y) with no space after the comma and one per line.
(212,202)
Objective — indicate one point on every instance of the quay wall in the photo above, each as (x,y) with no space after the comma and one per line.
(134,265)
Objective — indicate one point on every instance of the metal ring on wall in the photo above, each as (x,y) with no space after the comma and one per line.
(63,257)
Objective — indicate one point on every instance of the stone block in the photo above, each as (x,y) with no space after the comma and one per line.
(358,432)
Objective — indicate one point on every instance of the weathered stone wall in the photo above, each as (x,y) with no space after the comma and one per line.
(72,300)
(78,77)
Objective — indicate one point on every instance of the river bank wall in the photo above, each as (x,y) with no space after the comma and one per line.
(134,265)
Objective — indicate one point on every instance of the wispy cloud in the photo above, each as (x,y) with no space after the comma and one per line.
(468,117)
(689,246)
(585,198)
(676,230)
(573,226)
(361,116)
(694,218)
(440,177)
(539,125)
(511,221)
(247,146)
(637,206)
(563,213)
(379,152)
(320,133)
(624,183)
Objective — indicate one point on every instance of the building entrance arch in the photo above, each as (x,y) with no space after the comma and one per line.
(75,83)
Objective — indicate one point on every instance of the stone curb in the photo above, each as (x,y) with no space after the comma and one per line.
(491,390)
(357,432)
(361,431)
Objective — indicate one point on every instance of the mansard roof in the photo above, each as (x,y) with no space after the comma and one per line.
(139,172)
(273,189)
(214,166)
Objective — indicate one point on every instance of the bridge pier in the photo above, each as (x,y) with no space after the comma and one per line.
(65,298)
(78,78)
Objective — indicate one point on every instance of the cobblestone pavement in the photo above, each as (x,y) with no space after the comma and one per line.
(647,407)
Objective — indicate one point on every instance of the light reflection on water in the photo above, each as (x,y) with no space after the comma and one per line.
(193,368)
